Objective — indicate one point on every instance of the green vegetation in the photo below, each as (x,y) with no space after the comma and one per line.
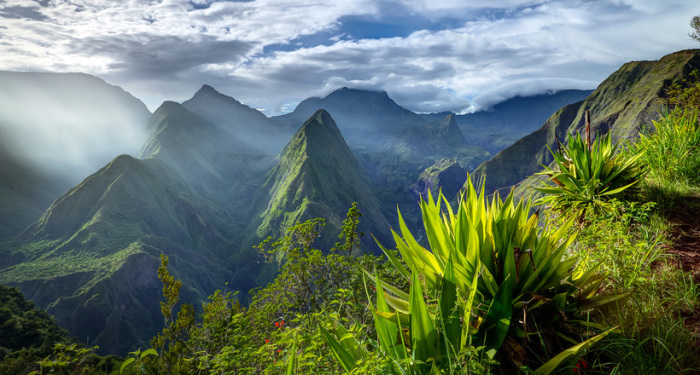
(630,240)
(493,292)
(491,281)
(31,342)
(489,286)
(626,101)
(589,174)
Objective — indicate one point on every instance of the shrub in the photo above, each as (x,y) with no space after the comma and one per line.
(491,283)
(589,174)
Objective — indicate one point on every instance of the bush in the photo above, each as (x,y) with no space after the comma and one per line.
(589,175)
(491,283)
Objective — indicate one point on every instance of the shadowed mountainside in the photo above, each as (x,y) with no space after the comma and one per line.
(627,100)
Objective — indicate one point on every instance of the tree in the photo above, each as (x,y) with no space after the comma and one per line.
(695,25)
(350,233)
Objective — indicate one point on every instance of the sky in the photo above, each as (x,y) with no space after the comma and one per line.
(429,55)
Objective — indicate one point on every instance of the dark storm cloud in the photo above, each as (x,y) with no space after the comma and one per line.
(162,57)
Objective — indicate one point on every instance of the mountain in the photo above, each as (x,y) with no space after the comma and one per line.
(91,259)
(191,145)
(318,176)
(392,144)
(206,188)
(55,129)
(247,124)
(198,195)
(69,124)
(25,192)
(499,127)
(368,119)
(626,101)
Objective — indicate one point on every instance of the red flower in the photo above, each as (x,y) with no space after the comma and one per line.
(267,341)
(581,364)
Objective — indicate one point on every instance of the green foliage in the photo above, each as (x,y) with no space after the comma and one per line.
(27,334)
(22,325)
(671,152)
(629,241)
(137,360)
(588,174)
(350,231)
(73,359)
(172,342)
(281,331)
(684,93)
(491,280)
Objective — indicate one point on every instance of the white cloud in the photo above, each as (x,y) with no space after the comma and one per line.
(166,49)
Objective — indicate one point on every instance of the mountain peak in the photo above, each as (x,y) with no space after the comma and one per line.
(449,121)
(207,88)
(171,107)
(208,92)
(347,92)
(320,121)
(317,136)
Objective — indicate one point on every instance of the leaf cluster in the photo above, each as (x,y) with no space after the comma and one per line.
(588,174)
(490,283)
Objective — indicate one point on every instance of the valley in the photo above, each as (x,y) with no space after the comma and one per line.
(212,177)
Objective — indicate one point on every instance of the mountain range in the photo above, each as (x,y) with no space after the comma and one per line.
(212,177)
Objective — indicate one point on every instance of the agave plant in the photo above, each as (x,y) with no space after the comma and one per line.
(586,174)
(491,276)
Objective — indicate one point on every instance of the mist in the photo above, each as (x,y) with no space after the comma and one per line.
(68,125)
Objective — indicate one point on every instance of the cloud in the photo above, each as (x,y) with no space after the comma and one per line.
(161,57)
(528,87)
(19,12)
(272,53)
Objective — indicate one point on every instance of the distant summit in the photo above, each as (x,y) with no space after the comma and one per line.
(245,123)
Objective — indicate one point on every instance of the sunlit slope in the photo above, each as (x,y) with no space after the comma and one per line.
(318,176)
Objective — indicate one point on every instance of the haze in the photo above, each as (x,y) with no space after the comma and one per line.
(70,125)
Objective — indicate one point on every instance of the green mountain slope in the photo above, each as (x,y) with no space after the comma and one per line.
(25,192)
(628,99)
(91,259)
(318,176)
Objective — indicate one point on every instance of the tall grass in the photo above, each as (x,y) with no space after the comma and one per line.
(671,155)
